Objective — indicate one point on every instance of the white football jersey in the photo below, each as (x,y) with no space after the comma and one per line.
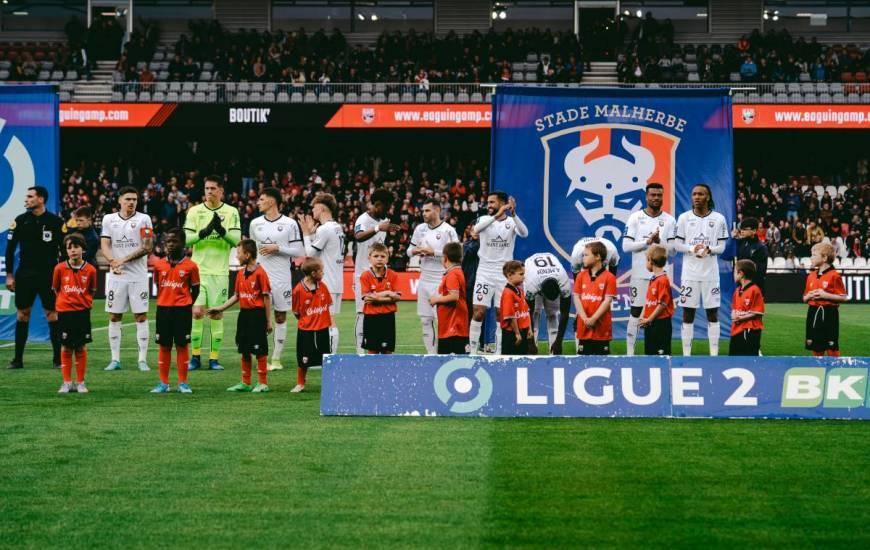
(543,266)
(496,245)
(361,258)
(328,245)
(709,230)
(431,268)
(126,236)
(286,233)
(577,252)
(639,227)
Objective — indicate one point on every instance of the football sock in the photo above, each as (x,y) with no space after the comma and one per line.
(301,372)
(358,330)
(22,328)
(196,335)
(142,339)
(833,353)
(262,376)
(81,364)
(66,364)
(164,358)
(246,369)
(333,339)
(498,340)
(428,334)
(474,336)
(279,335)
(54,335)
(631,335)
(182,358)
(552,330)
(216,327)
(713,337)
(115,339)
(818,354)
(687,333)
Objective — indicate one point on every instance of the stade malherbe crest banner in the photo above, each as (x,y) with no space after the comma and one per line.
(29,147)
(578,161)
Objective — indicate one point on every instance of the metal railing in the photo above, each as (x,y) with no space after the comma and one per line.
(398,92)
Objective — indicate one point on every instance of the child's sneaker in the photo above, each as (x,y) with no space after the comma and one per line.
(297,388)
(161,388)
(67,387)
(260,388)
(240,387)
(81,388)
(184,388)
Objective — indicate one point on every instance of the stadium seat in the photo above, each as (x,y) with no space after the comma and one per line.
(117,96)
(462,97)
(64,96)
(421,97)
(779,262)
(794,87)
(853,98)
(159,97)
(839,98)
(72,75)
(822,87)
(841,189)
(531,57)
(208,66)
(837,88)
(244,87)
(804,77)
(819,190)
(338,97)
(242,97)
(202,87)
(186,96)
(283,97)
(767,98)
(518,77)
(258,87)
(296,97)
(734,77)
(199,97)
(366,97)
(806,263)
(838,263)
(188,87)
(205,76)
(769,263)
(57,75)
(847,263)
(324,97)
(407,97)
(145,97)
(825,98)
(435,97)
(393,97)
(255,97)
(518,66)
(130,96)
(831,190)
(310,97)
(860,263)
(531,77)
(694,77)
(477,97)
(366,87)
(172,97)
(449,97)
(795,97)
(810,97)
(782,98)
(380,88)
(488,97)
(779,88)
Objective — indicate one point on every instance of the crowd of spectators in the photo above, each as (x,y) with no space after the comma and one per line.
(325,57)
(795,215)
(168,194)
(774,56)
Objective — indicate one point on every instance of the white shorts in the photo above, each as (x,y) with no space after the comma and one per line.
(424,291)
(705,293)
(637,291)
(282,295)
(487,289)
(335,308)
(357,293)
(123,294)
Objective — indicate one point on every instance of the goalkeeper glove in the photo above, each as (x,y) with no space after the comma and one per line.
(216,225)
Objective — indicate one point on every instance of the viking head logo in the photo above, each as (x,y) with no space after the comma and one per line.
(748,115)
(595,176)
(608,189)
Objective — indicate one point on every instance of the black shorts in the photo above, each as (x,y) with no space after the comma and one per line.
(251,337)
(379,332)
(657,337)
(745,342)
(173,325)
(509,344)
(823,328)
(593,347)
(30,285)
(75,328)
(310,347)
(455,344)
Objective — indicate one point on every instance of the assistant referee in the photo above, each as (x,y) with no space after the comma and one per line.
(40,234)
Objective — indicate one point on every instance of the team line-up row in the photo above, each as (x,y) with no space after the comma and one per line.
(190,289)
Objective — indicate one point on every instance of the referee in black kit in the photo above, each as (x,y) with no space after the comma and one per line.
(40,234)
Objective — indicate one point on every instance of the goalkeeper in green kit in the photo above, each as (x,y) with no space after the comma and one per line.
(212,229)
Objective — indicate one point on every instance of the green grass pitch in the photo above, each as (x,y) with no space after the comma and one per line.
(123,468)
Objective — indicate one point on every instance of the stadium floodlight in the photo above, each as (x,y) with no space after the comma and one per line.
(502,14)
(766,16)
(639,13)
(361,17)
(775,17)
(374,17)
(494,15)
(626,13)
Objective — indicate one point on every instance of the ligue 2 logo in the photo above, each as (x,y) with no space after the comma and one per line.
(463,385)
(23,177)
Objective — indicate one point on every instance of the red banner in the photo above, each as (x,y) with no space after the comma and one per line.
(431,115)
(407,285)
(801,116)
(114,115)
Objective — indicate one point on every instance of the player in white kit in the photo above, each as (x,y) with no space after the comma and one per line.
(497,233)
(700,236)
(371,227)
(279,240)
(644,228)
(324,239)
(126,240)
(428,242)
(611,261)
(548,287)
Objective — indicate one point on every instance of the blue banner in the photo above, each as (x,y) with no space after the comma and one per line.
(30,146)
(577,161)
(590,386)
